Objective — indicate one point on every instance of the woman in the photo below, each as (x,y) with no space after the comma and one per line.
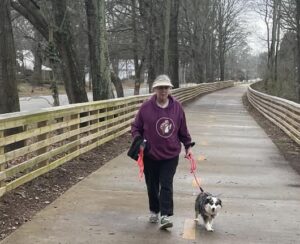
(161,122)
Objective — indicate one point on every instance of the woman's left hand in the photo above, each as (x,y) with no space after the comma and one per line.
(188,152)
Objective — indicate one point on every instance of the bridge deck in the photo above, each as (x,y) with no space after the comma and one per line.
(260,191)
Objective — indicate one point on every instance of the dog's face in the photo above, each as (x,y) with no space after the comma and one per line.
(212,205)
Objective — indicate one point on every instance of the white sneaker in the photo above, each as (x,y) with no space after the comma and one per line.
(165,222)
(154,217)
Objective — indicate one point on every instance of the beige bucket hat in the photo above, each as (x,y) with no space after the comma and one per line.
(162,80)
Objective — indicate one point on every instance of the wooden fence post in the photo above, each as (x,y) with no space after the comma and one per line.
(42,138)
(75,127)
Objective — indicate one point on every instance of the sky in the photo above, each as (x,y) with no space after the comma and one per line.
(257,28)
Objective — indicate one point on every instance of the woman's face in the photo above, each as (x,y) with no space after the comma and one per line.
(162,93)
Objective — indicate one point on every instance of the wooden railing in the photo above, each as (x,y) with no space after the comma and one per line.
(283,113)
(32,144)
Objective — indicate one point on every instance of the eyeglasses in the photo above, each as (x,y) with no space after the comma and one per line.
(162,87)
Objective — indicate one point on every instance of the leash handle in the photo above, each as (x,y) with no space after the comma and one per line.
(192,160)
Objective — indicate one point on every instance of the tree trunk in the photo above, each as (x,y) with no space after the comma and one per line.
(278,83)
(266,13)
(211,59)
(73,79)
(298,47)
(38,60)
(273,44)
(211,43)
(99,59)
(137,67)
(54,90)
(151,62)
(149,19)
(116,81)
(221,44)
(222,66)
(197,63)
(92,22)
(270,84)
(173,45)
(166,36)
(118,84)
(221,56)
(9,101)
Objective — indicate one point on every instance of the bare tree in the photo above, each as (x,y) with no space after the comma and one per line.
(38,59)
(198,38)
(167,14)
(271,10)
(173,44)
(148,15)
(272,52)
(62,34)
(99,58)
(138,63)
(230,32)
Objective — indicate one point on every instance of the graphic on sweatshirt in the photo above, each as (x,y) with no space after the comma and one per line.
(165,127)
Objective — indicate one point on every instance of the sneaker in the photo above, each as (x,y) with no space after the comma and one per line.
(153,218)
(165,222)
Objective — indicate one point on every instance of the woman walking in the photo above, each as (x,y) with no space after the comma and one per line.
(161,122)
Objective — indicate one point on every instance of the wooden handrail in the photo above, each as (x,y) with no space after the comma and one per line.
(283,113)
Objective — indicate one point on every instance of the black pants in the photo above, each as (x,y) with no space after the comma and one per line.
(159,179)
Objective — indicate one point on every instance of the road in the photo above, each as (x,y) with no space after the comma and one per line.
(33,104)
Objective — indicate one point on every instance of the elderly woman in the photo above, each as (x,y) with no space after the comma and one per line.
(161,122)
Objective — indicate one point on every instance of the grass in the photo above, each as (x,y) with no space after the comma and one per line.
(28,90)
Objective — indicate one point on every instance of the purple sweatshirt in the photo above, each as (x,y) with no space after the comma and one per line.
(163,128)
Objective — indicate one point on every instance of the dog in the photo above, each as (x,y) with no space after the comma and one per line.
(208,206)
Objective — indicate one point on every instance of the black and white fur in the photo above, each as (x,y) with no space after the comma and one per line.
(208,207)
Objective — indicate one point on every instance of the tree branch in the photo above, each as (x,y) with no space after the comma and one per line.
(32,12)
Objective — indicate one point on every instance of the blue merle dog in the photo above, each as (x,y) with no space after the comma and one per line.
(208,207)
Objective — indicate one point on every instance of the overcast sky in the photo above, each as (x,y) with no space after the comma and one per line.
(257,27)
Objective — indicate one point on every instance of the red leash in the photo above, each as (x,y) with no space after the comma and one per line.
(140,160)
(190,157)
(140,163)
(192,160)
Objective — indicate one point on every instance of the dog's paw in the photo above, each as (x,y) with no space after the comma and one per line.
(209,228)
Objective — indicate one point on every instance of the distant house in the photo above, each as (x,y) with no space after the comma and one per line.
(125,70)
(25,61)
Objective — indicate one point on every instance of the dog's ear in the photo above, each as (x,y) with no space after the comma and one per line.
(208,199)
(219,202)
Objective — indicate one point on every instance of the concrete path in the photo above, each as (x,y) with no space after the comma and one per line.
(260,191)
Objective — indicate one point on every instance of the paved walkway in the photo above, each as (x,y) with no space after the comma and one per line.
(260,191)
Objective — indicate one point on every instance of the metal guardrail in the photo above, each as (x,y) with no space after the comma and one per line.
(283,113)
(32,144)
